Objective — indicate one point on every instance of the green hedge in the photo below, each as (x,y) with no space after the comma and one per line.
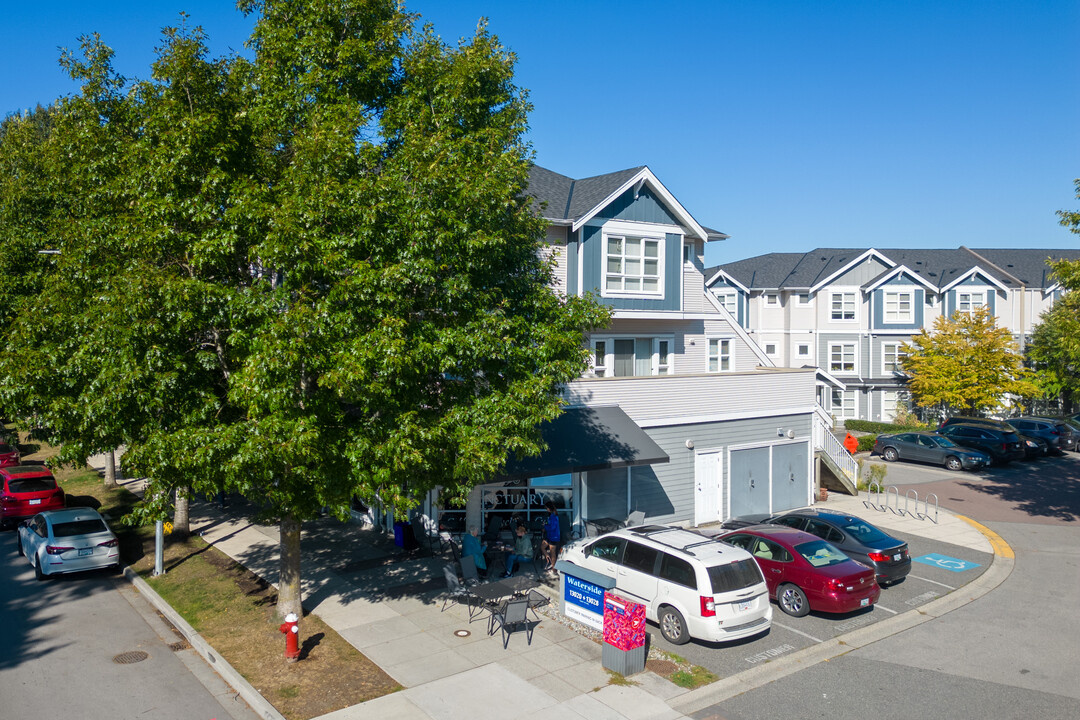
(880,427)
(866,442)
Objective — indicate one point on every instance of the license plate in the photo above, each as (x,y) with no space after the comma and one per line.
(896,557)
(86,551)
(864,602)
(744,606)
(34,502)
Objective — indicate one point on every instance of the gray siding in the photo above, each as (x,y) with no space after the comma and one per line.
(862,274)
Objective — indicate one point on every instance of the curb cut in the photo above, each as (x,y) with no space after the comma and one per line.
(1000,568)
(260,705)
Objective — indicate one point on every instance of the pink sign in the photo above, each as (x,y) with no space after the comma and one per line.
(624,622)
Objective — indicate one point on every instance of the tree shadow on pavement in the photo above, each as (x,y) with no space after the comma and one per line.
(1052,491)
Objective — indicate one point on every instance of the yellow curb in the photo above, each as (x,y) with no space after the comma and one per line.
(1001,548)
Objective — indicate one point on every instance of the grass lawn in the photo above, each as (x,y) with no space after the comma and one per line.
(232,609)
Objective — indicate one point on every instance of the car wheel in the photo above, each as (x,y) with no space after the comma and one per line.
(673,626)
(953,463)
(792,600)
(37,570)
(889,454)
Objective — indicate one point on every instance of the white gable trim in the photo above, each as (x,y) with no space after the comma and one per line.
(729,279)
(900,270)
(977,271)
(645,177)
(871,253)
(743,335)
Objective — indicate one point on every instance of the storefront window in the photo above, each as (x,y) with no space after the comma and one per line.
(505,505)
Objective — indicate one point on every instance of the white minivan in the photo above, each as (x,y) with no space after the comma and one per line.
(691,585)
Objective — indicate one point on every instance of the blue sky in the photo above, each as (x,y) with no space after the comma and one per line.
(787,125)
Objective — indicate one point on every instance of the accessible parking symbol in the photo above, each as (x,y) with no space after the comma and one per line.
(946,562)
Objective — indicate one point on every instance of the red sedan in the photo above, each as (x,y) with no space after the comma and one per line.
(804,573)
(26,490)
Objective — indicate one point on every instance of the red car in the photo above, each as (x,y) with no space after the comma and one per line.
(9,454)
(26,490)
(804,573)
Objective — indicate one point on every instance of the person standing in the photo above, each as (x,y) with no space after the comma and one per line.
(552,537)
(522,552)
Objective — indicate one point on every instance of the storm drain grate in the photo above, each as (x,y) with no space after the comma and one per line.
(661,667)
(134,656)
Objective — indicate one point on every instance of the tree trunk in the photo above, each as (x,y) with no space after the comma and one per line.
(181,523)
(289,600)
(110,470)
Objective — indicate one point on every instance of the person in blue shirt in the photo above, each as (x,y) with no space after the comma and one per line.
(470,545)
(552,536)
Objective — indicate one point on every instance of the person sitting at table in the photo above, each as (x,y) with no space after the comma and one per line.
(470,545)
(552,537)
(523,551)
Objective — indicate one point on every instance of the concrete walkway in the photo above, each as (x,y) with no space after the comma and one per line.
(391,609)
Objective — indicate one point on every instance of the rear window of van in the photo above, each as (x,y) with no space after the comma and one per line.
(738,575)
(30,485)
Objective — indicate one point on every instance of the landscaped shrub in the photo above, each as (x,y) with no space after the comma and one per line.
(879,427)
(866,442)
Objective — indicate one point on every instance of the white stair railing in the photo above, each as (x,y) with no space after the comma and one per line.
(828,443)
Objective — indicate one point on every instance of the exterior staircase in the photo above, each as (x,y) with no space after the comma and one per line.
(834,467)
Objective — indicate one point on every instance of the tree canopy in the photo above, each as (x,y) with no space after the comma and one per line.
(300,277)
(965,363)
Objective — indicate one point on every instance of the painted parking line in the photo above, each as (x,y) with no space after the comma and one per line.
(879,606)
(933,582)
(945,562)
(797,632)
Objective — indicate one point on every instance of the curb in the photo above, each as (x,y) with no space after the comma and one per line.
(260,705)
(1000,568)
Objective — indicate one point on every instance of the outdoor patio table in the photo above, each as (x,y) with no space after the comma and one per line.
(493,592)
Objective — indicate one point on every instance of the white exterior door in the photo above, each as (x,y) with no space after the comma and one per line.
(707,487)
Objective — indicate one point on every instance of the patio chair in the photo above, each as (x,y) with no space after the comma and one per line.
(425,536)
(510,616)
(536,600)
(635,518)
(455,591)
(468,570)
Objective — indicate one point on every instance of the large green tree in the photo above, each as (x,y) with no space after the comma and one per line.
(965,364)
(305,276)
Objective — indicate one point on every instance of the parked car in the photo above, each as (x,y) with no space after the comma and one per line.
(929,447)
(1034,447)
(1042,433)
(804,572)
(1072,426)
(1055,432)
(9,454)
(856,538)
(66,541)
(1003,446)
(25,490)
(691,585)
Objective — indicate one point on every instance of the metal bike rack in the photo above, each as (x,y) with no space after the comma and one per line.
(925,515)
(882,500)
(892,489)
(874,497)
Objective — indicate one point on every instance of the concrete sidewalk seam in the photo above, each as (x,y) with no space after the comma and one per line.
(228,673)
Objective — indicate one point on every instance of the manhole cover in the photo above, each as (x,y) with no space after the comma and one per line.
(462,633)
(661,667)
(126,658)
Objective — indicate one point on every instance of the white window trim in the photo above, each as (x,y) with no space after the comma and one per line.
(885,370)
(854,292)
(809,350)
(730,353)
(854,361)
(838,410)
(637,230)
(885,307)
(728,293)
(607,369)
(765,348)
(971,308)
(772,300)
(809,300)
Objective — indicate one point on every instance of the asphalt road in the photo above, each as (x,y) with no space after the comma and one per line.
(1012,653)
(62,640)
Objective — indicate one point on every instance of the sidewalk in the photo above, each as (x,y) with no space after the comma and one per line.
(392,612)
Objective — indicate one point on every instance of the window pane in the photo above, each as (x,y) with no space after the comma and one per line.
(652,249)
(605,494)
(614,246)
(651,284)
(633,247)
(632,283)
(614,264)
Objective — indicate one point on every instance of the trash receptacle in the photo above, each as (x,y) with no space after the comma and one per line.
(624,635)
(399,533)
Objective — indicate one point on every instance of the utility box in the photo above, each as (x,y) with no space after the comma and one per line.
(624,635)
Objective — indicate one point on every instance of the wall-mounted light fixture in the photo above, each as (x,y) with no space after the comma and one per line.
(689,444)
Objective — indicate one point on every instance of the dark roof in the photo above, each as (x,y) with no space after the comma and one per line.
(589,438)
(797,271)
(569,199)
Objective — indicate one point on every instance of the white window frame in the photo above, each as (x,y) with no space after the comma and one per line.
(804,299)
(843,295)
(729,299)
(896,299)
(895,353)
(656,364)
(720,351)
(772,299)
(798,350)
(848,407)
(631,231)
(766,346)
(971,306)
(890,401)
(854,358)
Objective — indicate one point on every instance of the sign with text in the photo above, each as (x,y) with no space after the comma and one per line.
(584,601)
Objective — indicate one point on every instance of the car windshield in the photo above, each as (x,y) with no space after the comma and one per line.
(738,575)
(79,527)
(30,485)
(863,532)
(820,553)
(944,442)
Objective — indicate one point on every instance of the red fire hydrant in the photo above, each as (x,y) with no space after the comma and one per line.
(291,628)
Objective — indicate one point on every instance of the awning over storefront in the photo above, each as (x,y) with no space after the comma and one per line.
(589,438)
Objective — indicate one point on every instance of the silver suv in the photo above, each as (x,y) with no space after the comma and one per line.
(691,585)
